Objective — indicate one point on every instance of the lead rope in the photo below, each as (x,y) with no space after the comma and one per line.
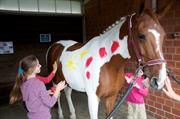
(121,100)
(172,76)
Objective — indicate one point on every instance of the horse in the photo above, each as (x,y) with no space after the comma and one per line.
(97,67)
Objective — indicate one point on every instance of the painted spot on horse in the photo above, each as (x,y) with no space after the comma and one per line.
(89,60)
(88,75)
(114,46)
(83,54)
(102,52)
(71,64)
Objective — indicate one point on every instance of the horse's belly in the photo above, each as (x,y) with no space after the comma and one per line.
(74,80)
(77,87)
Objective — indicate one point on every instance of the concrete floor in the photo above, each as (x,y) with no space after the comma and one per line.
(80,102)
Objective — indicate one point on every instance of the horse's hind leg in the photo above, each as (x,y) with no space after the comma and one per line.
(68,92)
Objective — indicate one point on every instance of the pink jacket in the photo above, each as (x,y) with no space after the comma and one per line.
(136,96)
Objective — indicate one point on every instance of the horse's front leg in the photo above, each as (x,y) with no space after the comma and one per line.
(68,92)
(93,103)
(110,101)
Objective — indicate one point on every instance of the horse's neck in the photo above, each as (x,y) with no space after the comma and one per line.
(113,33)
(125,31)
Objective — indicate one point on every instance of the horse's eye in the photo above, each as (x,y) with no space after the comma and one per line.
(142,37)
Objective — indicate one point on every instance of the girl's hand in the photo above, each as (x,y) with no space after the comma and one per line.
(137,86)
(50,92)
(54,67)
(128,79)
(61,85)
(170,92)
(146,83)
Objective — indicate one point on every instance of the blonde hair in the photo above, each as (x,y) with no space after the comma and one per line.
(26,67)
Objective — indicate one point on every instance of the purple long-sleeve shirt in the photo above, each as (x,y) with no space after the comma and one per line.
(37,99)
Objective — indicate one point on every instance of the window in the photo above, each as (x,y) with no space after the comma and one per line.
(45,37)
(6,47)
(28,5)
(9,4)
(52,6)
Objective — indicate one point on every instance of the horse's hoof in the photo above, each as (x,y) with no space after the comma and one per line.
(61,117)
(73,116)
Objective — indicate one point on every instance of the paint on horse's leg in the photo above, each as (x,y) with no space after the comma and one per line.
(93,103)
(61,116)
(68,92)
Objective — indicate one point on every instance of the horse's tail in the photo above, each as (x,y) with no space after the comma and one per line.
(53,54)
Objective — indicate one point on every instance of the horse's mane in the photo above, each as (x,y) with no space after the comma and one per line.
(151,14)
(113,25)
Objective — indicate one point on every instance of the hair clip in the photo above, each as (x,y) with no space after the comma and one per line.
(20,71)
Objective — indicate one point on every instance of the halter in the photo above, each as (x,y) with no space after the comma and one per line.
(137,50)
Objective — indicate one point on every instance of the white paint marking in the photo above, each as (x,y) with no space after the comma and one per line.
(157,38)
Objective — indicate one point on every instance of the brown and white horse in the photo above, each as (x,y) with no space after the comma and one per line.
(97,67)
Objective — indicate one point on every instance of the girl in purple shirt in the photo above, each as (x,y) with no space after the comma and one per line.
(33,91)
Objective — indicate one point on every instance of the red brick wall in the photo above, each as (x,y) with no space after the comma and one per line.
(99,14)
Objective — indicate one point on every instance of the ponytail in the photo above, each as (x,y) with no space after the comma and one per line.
(25,66)
(15,94)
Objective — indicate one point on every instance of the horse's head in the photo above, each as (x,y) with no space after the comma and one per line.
(148,36)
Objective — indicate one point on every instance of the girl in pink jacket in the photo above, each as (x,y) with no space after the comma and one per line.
(135,99)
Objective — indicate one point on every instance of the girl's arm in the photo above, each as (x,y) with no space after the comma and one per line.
(50,77)
(46,79)
(141,88)
(46,98)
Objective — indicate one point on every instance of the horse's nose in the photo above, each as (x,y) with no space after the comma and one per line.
(154,83)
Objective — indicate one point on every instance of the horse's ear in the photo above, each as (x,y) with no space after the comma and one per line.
(141,8)
(161,13)
(135,6)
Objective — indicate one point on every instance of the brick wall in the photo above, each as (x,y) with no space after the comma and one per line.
(99,14)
